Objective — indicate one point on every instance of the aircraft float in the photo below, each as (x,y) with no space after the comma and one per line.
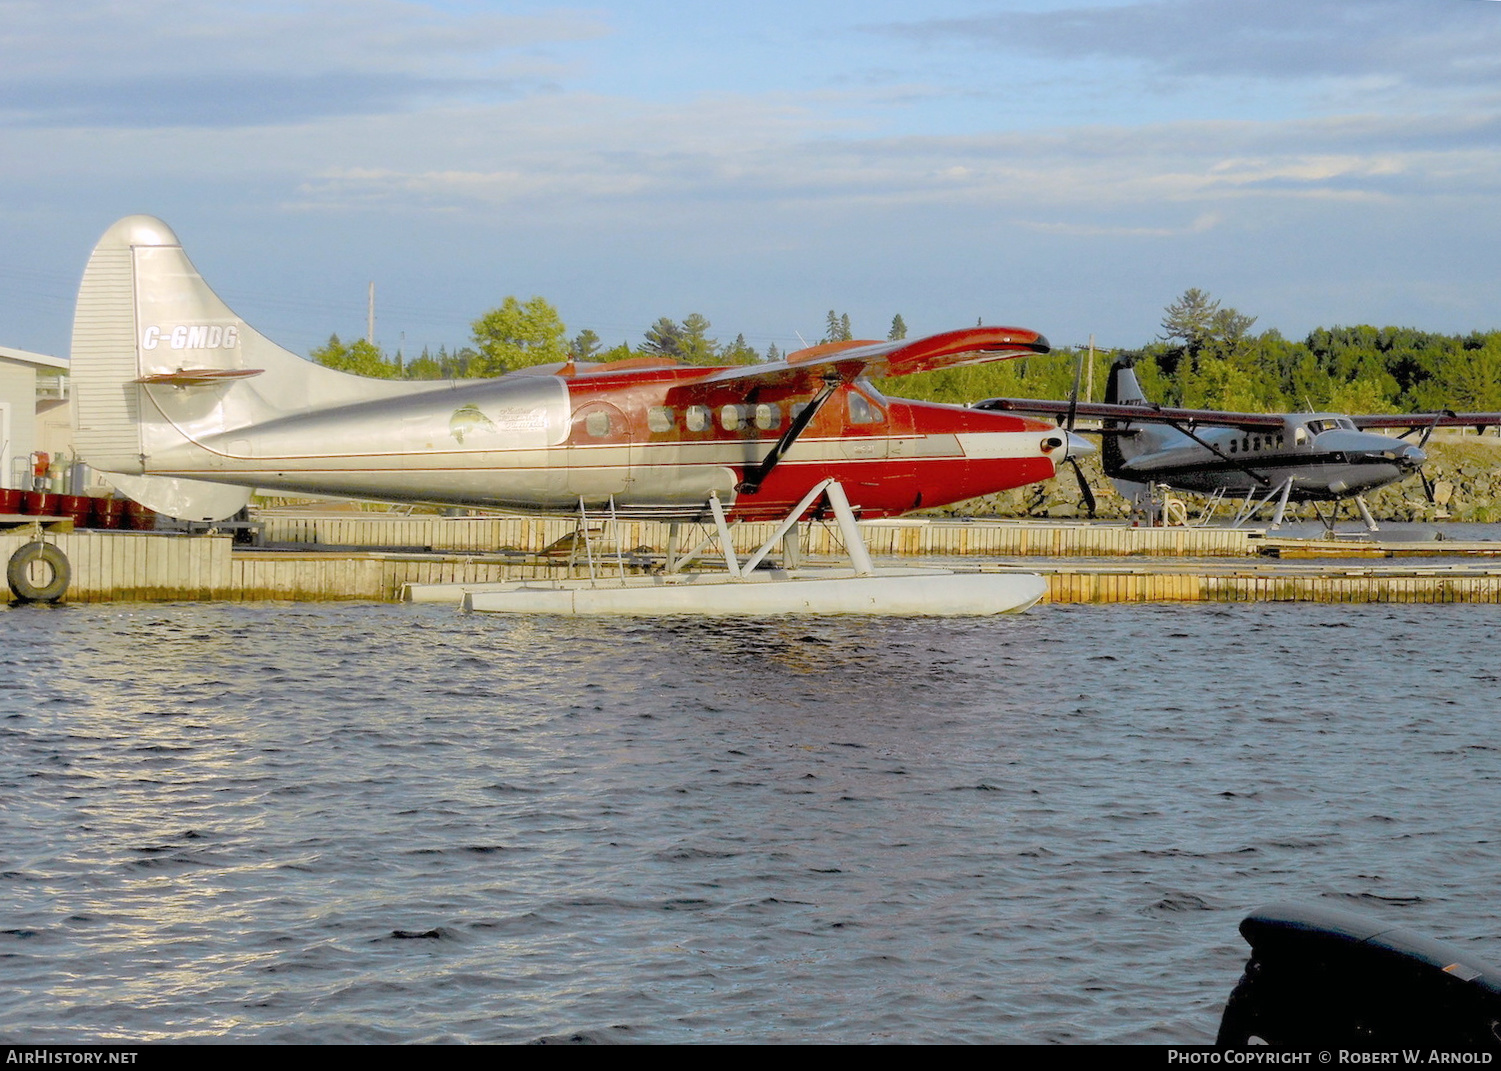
(187,409)
(1267,457)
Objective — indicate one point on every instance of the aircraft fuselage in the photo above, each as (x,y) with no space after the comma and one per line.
(656,441)
(1325,455)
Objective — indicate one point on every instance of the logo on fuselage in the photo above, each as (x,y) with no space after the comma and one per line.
(192,337)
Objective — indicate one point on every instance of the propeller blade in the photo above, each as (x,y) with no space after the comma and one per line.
(1073,397)
(1423,441)
(1085,491)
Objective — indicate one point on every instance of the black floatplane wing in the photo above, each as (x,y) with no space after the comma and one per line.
(1141,414)
(1420,421)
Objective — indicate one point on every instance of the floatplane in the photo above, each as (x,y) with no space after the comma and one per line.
(1269,458)
(187,409)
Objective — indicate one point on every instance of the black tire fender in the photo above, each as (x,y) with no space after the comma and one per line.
(18,572)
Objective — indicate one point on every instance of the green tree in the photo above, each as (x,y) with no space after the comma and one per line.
(584,346)
(898,329)
(424,367)
(518,335)
(664,339)
(695,346)
(738,352)
(1190,320)
(360,357)
(837,328)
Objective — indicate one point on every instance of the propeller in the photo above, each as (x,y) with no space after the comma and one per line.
(1085,491)
(1422,442)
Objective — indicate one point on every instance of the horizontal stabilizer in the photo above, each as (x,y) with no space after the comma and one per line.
(187,500)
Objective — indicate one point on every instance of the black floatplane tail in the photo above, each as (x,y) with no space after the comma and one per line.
(1117,445)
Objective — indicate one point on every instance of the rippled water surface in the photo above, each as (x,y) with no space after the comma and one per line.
(360,822)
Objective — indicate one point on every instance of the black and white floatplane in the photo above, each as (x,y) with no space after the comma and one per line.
(1262,458)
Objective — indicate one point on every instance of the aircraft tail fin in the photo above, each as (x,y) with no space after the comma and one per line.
(1121,388)
(159,362)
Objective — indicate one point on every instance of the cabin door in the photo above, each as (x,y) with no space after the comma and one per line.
(599,454)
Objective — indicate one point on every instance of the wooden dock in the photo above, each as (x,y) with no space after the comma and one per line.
(908,537)
(148,566)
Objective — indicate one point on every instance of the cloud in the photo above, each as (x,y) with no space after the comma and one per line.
(156,63)
(1441,42)
(653,156)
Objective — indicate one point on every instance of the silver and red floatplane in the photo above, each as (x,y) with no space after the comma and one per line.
(189,410)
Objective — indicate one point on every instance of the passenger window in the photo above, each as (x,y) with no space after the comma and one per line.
(597,424)
(768,417)
(660,418)
(732,417)
(698,418)
(797,409)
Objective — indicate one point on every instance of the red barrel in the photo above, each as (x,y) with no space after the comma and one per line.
(106,512)
(10,500)
(39,504)
(139,518)
(76,507)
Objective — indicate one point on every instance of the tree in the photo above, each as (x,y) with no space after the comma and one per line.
(738,352)
(584,346)
(696,347)
(688,341)
(837,328)
(664,339)
(898,329)
(424,367)
(517,335)
(1190,319)
(622,352)
(361,358)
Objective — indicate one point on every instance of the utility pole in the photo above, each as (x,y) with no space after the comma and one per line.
(370,316)
(1089,390)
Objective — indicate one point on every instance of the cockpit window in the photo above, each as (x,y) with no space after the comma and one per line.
(863,410)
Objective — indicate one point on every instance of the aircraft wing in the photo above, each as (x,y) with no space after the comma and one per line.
(1418,421)
(1139,414)
(847,361)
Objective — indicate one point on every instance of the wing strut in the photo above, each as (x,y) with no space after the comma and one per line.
(754,478)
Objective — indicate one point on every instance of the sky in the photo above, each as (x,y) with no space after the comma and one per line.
(1061,165)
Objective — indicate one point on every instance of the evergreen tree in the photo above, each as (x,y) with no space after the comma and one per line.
(738,352)
(898,329)
(837,328)
(584,346)
(696,347)
(1190,320)
(664,339)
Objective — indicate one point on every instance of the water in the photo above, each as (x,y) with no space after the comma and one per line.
(356,822)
